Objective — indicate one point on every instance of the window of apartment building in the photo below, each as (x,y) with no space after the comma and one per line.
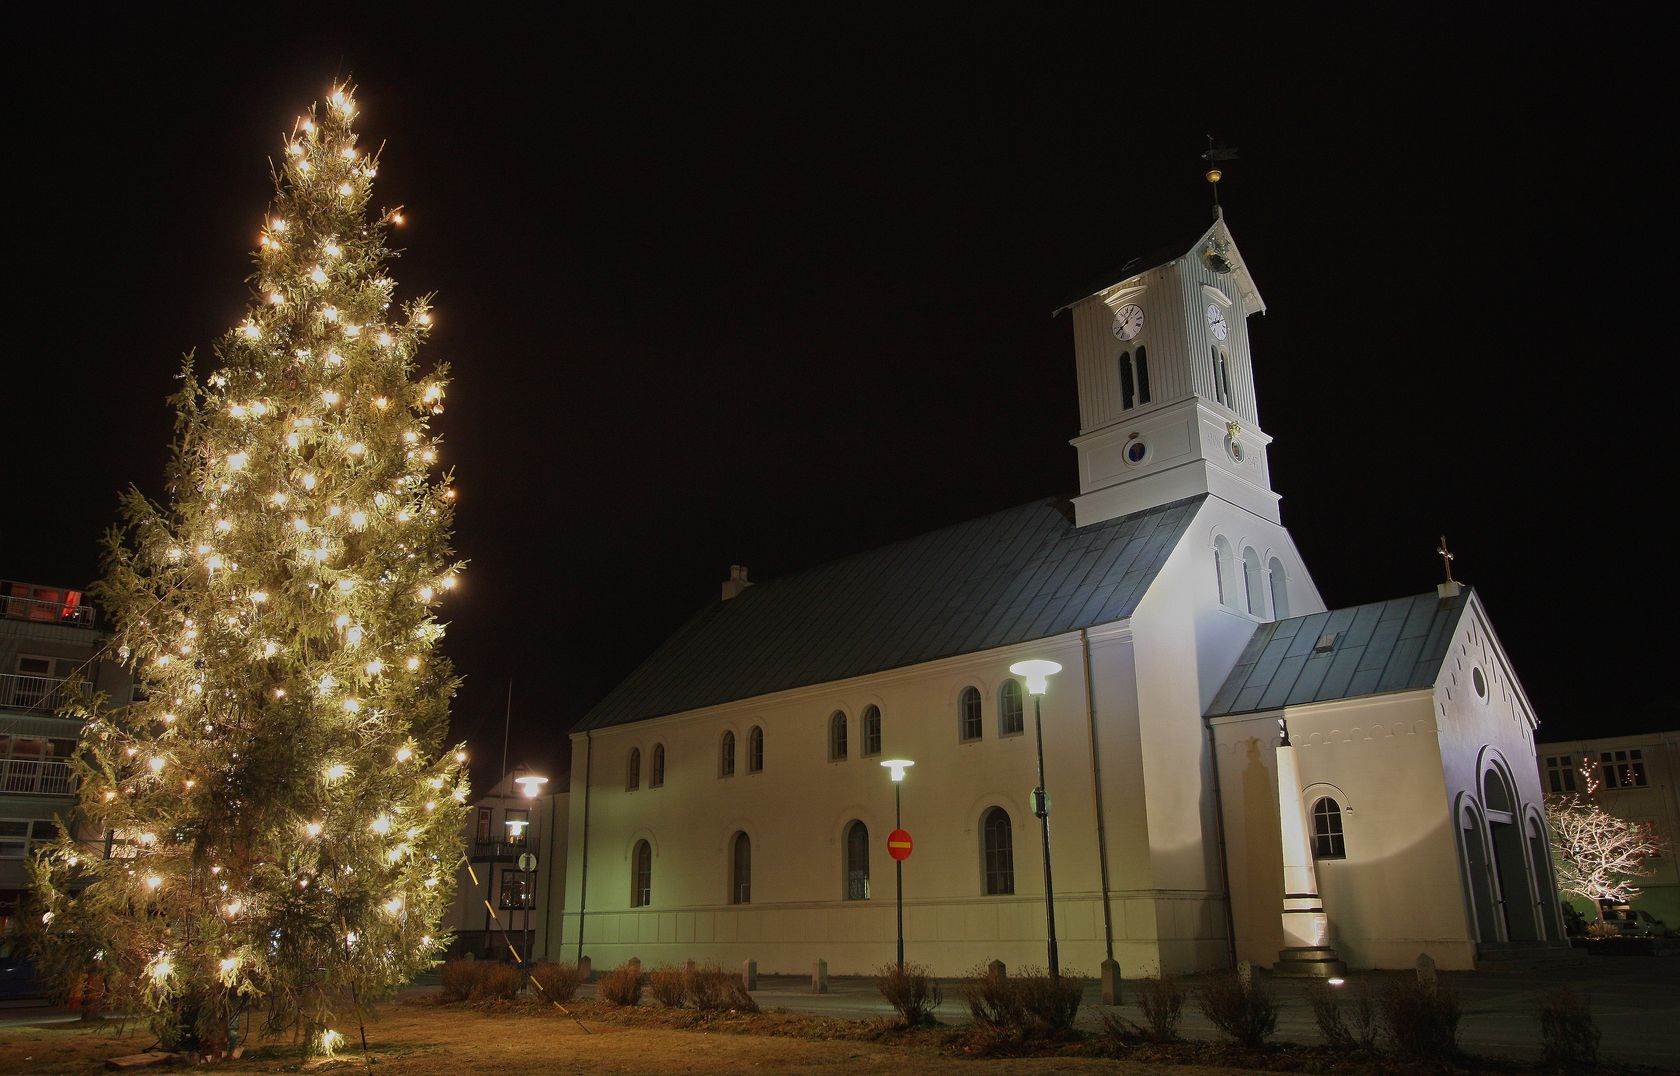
(516,821)
(1622,769)
(34,765)
(1560,773)
(14,838)
(516,890)
(486,823)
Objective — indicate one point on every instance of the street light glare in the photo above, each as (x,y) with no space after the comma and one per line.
(530,784)
(897,766)
(1038,673)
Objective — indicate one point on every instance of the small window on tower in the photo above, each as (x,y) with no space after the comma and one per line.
(1126,383)
(1142,375)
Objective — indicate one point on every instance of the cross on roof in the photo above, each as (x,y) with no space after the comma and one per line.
(1446,558)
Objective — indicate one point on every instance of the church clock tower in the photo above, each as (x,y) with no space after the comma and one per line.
(1166,384)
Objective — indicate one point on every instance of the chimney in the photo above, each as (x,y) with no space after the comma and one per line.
(736,582)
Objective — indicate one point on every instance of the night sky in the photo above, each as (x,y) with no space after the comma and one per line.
(765,289)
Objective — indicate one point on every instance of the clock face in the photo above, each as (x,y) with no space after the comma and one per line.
(1217,323)
(1128,322)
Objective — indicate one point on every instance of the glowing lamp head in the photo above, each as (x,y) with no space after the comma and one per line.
(531,785)
(897,766)
(1037,672)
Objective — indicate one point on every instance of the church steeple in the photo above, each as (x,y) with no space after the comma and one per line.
(1166,383)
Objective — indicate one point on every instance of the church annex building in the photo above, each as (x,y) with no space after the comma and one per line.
(727,803)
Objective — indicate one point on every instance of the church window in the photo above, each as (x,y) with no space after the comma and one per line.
(1479,682)
(1142,375)
(1011,715)
(656,767)
(1327,830)
(968,714)
(1560,773)
(1225,570)
(1280,590)
(633,779)
(1136,451)
(837,736)
(726,755)
(997,852)
(641,875)
(1622,769)
(1253,589)
(740,869)
(871,730)
(755,750)
(857,861)
(1126,384)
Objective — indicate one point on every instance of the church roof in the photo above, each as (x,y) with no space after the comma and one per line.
(1371,649)
(1011,577)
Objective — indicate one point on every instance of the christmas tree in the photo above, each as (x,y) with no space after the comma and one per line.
(282,821)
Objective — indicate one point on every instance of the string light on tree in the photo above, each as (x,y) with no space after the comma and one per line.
(257,608)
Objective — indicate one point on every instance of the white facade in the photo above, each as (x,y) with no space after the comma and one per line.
(655,869)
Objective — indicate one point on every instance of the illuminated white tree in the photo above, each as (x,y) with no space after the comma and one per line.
(283,810)
(1598,855)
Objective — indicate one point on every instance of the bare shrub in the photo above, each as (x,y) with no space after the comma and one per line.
(992,999)
(497,981)
(910,990)
(1422,1022)
(1568,1033)
(667,985)
(557,982)
(712,989)
(1050,1004)
(1162,1002)
(1240,1010)
(459,978)
(621,986)
(1347,1016)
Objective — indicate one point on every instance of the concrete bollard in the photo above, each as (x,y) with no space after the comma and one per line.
(1111,982)
(1245,974)
(586,969)
(996,970)
(1426,972)
(819,978)
(749,974)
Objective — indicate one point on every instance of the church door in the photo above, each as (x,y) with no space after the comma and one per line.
(1510,864)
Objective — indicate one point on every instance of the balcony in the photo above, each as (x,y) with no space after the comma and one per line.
(26,693)
(44,605)
(41,777)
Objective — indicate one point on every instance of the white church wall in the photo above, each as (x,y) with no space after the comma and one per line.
(795,812)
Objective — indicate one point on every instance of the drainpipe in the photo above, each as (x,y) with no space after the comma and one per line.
(583,871)
(1219,829)
(548,889)
(1096,784)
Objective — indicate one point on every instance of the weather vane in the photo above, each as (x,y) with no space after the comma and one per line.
(1216,155)
(1446,558)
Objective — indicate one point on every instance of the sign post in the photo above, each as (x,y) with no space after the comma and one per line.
(899,843)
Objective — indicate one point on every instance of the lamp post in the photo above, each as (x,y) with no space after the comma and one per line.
(898,766)
(530,786)
(1037,673)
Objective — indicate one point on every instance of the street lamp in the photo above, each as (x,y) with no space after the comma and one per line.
(1037,673)
(898,766)
(530,786)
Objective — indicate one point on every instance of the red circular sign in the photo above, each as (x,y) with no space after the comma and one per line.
(899,844)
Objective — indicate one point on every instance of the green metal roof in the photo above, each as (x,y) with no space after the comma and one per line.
(1396,645)
(1011,577)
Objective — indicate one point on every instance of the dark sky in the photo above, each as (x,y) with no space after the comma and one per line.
(768,289)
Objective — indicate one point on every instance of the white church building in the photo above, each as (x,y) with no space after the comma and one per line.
(727,801)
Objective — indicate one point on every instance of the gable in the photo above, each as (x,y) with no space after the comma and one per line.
(1183,246)
(1018,575)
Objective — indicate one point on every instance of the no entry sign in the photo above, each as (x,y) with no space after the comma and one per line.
(899,844)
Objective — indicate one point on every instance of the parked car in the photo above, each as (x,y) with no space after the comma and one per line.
(1635,923)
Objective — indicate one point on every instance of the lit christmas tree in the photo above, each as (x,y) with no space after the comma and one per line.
(284,819)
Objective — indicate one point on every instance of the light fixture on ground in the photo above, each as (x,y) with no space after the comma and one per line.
(1037,673)
(898,766)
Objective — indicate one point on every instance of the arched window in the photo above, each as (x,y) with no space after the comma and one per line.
(755,750)
(641,875)
(871,730)
(726,755)
(968,714)
(1126,383)
(1011,712)
(656,767)
(1327,830)
(740,870)
(1225,570)
(1254,588)
(1280,590)
(837,736)
(1142,375)
(633,779)
(857,861)
(997,852)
